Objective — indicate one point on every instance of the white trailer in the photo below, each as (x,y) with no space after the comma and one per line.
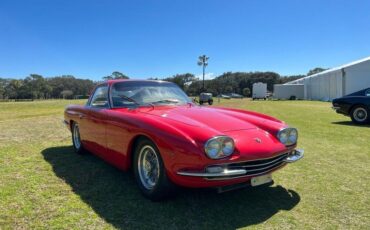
(259,91)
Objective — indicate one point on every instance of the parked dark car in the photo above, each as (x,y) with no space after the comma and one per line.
(355,105)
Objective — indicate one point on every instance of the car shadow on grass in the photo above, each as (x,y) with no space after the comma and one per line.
(113,195)
(350,123)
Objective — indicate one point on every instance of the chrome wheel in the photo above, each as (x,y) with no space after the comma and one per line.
(360,114)
(148,167)
(76,137)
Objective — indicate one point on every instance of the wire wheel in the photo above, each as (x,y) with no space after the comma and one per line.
(148,167)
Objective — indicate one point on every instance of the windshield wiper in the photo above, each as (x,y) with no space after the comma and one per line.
(134,101)
(129,99)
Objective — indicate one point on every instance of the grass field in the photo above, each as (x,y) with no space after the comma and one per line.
(43,184)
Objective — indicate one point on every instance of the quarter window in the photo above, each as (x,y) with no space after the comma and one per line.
(367,93)
(100,97)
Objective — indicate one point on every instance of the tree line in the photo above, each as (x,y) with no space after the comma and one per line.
(36,86)
(229,82)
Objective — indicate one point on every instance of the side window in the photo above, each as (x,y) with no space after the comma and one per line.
(367,93)
(100,97)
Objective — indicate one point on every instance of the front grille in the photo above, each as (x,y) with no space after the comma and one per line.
(258,167)
(255,167)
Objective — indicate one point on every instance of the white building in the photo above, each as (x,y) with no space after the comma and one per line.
(329,84)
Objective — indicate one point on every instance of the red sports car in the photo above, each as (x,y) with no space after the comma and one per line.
(153,128)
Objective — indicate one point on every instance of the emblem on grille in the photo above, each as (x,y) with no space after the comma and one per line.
(258,140)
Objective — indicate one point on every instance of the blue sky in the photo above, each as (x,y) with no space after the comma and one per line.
(160,38)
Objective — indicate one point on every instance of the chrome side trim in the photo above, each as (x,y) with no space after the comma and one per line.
(225,173)
(295,156)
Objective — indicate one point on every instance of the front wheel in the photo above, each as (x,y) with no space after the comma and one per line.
(150,173)
(360,115)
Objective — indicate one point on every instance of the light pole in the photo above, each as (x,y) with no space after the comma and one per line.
(203,61)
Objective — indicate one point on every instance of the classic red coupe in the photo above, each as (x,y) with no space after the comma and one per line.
(153,128)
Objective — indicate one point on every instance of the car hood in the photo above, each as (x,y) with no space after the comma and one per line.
(201,117)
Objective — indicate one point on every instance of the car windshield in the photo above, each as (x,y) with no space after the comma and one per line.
(136,93)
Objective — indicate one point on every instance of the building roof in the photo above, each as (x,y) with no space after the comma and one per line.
(331,70)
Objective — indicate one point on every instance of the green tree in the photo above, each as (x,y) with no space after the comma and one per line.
(315,71)
(116,75)
(246,92)
(12,88)
(66,94)
(286,79)
(3,83)
(119,75)
(182,80)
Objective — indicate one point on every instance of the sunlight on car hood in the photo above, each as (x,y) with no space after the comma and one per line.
(201,117)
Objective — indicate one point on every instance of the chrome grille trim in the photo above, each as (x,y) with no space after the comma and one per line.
(263,168)
(254,167)
(249,175)
(249,168)
(280,157)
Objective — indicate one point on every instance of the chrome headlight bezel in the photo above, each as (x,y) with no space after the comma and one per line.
(219,147)
(288,136)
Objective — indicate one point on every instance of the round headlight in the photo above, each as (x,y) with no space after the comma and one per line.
(293,136)
(213,148)
(288,136)
(219,147)
(228,146)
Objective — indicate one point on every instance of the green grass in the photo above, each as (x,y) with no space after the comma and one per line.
(43,184)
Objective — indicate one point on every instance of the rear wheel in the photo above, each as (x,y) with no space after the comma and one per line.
(150,173)
(210,102)
(360,114)
(76,139)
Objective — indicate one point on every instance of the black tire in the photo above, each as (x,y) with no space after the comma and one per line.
(163,187)
(210,102)
(200,102)
(76,140)
(360,115)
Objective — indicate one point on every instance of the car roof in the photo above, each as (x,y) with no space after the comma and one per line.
(110,82)
(125,80)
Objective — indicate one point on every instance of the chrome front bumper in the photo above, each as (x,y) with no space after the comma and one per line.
(296,156)
(224,172)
